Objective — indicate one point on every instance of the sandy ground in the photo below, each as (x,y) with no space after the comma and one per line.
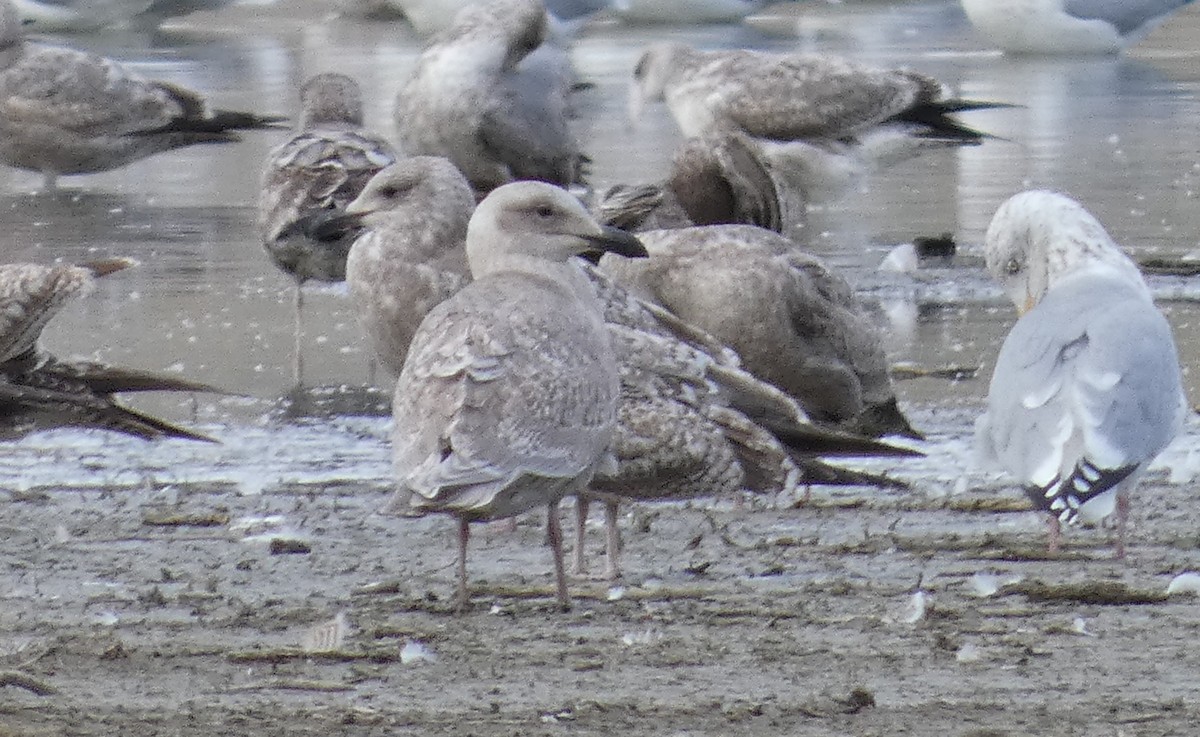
(148,610)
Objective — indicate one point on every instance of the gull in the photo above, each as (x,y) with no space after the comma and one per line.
(39,391)
(822,122)
(308,179)
(1068,26)
(508,396)
(429,17)
(716,179)
(411,256)
(491,95)
(793,322)
(64,111)
(677,12)
(1086,389)
(89,15)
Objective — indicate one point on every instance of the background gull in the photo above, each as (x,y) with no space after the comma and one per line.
(492,96)
(508,397)
(309,178)
(411,256)
(793,322)
(716,179)
(676,12)
(39,391)
(1068,26)
(64,111)
(1086,390)
(822,121)
(89,15)
(429,17)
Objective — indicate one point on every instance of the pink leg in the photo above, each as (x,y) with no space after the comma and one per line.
(1122,519)
(464,534)
(612,570)
(1055,528)
(554,535)
(581,513)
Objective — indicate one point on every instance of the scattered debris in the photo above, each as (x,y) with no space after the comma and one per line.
(1089,592)
(416,652)
(326,636)
(27,682)
(218,518)
(1184,583)
(286,546)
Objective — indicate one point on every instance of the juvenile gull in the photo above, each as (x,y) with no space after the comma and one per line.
(717,179)
(310,178)
(508,397)
(39,391)
(793,322)
(1068,26)
(411,256)
(822,121)
(1086,390)
(492,96)
(64,111)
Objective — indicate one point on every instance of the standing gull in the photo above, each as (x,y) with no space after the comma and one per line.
(309,178)
(491,95)
(64,111)
(793,322)
(508,397)
(822,121)
(1068,26)
(410,257)
(39,391)
(1087,388)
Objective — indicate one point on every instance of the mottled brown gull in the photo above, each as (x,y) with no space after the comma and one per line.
(39,391)
(312,176)
(716,179)
(410,257)
(823,122)
(64,111)
(1087,387)
(508,398)
(491,95)
(793,322)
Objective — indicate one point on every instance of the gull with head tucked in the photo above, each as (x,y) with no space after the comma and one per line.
(508,396)
(823,122)
(1086,389)
(1068,26)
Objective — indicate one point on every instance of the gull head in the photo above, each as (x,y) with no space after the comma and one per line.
(534,220)
(650,76)
(422,182)
(1038,237)
(330,98)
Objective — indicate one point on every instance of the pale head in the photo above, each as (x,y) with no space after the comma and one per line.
(330,98)
(1038,237)
(534,221)
(651,74)
(425,183)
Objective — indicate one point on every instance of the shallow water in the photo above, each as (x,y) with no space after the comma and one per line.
(1118,133)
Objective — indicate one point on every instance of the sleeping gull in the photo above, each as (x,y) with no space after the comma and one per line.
(1068,26)
(88,15)
(676,12)
(793,322)
(1086,390)
(309,178)
(822,121)
(492,96)
(410,257)
(64,111)
(718,179)
(39,391)
(507,400)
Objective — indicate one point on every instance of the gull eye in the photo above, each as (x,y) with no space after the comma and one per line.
(639,71)
(388,192)
(1013,266)
(544,211)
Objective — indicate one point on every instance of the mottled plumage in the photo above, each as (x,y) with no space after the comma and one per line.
(822,121)
(64,111)
(492,96)
(39,391)
(1087,387)
(507,399)
(410,257)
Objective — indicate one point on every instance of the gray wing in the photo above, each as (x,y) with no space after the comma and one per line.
(526,127)
(804,97)
(503,383)
(1127,16)
(86,93)
(1088,378)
